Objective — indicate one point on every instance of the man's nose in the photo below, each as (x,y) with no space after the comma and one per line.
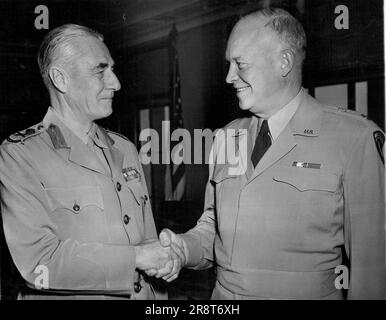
(232,75)
(113,82)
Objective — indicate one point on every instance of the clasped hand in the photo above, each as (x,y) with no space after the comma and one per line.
(163,257)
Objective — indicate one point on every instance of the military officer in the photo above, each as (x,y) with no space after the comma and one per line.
(75,208)
(312,188)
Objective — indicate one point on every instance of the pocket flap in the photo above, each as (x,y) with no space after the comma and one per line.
(222,174)
(308,179)
(136,189)
(75,198)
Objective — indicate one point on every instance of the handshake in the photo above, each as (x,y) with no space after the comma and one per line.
(163,257)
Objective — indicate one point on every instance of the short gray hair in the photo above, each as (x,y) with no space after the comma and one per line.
(56,45)
(287,27)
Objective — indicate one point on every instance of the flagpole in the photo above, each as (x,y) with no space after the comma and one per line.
(175,173)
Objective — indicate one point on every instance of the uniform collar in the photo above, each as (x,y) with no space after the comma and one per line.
(72,148)
(99,136)
(280,119)
(307,120)
(62,133)
(75,127)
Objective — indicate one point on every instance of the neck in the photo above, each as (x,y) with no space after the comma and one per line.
(69,114)
(281,98)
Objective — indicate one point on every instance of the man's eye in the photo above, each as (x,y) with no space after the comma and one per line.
(240,65)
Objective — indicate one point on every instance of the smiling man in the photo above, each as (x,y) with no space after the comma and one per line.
(313,189)
(75,208)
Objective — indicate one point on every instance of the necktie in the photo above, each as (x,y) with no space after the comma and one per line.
(262,143)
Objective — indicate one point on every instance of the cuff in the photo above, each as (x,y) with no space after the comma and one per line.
(119,263)
(193,250)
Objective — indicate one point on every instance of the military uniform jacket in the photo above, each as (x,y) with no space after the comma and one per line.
(64,212)
(278,230)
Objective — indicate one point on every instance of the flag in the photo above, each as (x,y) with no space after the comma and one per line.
(175,178)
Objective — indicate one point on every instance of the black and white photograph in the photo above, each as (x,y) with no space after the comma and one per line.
(192,150)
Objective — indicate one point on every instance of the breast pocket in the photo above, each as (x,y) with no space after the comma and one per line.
(222,181)
(75,200)
(138,192)
(306,180)
(226,193)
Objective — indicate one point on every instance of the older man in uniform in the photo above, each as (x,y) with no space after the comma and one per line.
(74,203)
(312,187)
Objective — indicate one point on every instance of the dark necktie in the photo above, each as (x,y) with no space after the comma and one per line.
(262,143)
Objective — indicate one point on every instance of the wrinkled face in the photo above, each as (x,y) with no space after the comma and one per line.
(92,81)
(253,52)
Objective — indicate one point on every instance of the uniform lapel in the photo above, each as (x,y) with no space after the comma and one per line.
(305,122)
(283,145)
(252,132)
(72,148)
(82,155)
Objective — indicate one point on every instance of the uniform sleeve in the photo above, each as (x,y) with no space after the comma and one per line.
(32,237)
(364,194)
(199,241)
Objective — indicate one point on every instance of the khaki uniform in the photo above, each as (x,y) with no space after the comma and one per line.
(62,209)
(277,231)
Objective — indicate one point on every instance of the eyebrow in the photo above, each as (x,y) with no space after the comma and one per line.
(102,66)
(233,59)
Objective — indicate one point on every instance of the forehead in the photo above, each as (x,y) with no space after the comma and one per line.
(91,51)
(249,37)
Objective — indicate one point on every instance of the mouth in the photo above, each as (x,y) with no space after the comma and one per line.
(109,96)
(241,89)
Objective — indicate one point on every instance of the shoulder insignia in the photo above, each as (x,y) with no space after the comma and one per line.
(342,109)
(379,139)
(350,113)
(21,136)
(56,137)
(347,111)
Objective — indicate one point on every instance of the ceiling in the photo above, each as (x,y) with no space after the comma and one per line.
(123,22)
(129,23)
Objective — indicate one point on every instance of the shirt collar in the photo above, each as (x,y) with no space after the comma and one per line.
(96,134)
(280,119)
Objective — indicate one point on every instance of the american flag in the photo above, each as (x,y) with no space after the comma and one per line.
(175,178)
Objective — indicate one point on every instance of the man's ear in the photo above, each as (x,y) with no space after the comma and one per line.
(59,78)
(287,60)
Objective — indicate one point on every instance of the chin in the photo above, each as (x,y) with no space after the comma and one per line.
(244,106)
(103,114)
(107,110)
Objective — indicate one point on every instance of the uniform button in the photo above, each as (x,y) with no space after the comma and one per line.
(76,207)
(137,287)
(126,219)
(119,186)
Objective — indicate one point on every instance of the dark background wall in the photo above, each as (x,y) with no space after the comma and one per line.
(137,33)
(334,56)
